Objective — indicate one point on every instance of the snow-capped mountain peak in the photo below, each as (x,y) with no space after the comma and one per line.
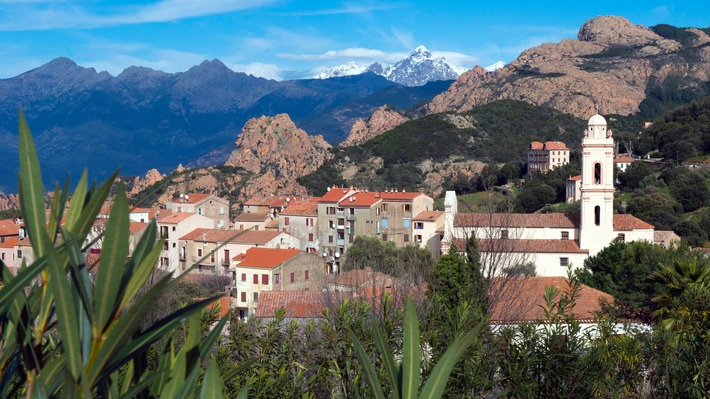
(416,69)
(494,66)
(351,68)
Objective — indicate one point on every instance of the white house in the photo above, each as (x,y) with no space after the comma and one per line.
(553,241)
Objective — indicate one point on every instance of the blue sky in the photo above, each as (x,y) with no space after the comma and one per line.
(285,39)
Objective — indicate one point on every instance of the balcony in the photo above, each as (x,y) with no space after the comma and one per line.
(341,227)
(351,218)
(340,213)
(340,241)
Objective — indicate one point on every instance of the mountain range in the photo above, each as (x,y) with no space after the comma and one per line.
(144,119)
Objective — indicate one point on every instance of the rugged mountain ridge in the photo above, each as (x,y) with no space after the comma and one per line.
(383,118)
(610,67)
(144,119)
(416,69)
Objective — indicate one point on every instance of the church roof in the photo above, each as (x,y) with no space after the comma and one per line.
(597,120)
(630,222)
(529,220)
(523,246)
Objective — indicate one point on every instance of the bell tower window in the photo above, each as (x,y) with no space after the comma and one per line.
(597,215)
(597,173)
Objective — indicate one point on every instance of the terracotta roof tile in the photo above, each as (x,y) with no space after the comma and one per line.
(194,198)
(523,246)
(251,217)
(10,242)
(624,160)
(555,145)
(297,304)
(334,195)
(575,178)
(428,216)
(136,227)
(9,228)
(363,278)
(309,208)
(174,218)
(400,196)
(266,258)
(630,222)
(536,145)
(253,237)
(558,220)
(523,301)
(361,200)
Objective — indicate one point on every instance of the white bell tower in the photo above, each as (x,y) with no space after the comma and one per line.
(597,208)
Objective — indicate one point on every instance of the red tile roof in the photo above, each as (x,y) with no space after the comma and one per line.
(523,246)
(174,218)
(630,222)
(301,209)
(428,216)
(267,258)
(536,145)
(521,300)
(361,200)
(253,237)
(136,227)
(10,242)
(557,220)
(400,196)
(363,278)
(575,178)
(297,304)
(555,145)
(334,195)
(624,160)
(251,217)
(9,228)
(192,198)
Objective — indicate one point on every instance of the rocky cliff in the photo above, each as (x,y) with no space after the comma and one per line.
(382,119)
(610,67)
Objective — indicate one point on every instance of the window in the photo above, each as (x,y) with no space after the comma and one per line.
(564,262)
(351,237)
(406,207)
(621,237)
(384,237)
(255,279)
(265,279)
(256,297)
(405,223)
(244,277)
(406,238)
(331,224)
(418,238)
(293,277)
(309,222)
(286,220)
(212,256)
(504,234)
(597,215)
(597,173)
(384,207)
(565,235)
(385,223)
(243,296)
(330,239)
(310,237)
(182,253)
(418,225)
(277,279)
(241,227)
(199,211)
(174,245)
(305,275)
(199,252)
(256,227)
(377,227)
(330,210)
(377,211)
(221,210)
(173,228)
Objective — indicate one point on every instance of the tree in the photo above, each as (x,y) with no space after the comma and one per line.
(690,190)
(634,174)
(534,198)
(410,263)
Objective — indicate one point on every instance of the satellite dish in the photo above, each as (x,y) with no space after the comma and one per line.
(186,197)
(244,251)
(337,254)
(328,189)
(325,254)
(288,199)
(181,196)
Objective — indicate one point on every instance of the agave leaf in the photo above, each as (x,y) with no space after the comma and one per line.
(388,359)
(436,382)
(113,258)
(411,358)
(367,367)
(51,375)
(32,191)
(212,384)
(91,209)
(76,204)
(57,209)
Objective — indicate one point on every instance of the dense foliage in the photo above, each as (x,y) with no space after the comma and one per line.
(682,133)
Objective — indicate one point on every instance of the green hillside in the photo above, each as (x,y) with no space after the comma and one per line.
(497,132)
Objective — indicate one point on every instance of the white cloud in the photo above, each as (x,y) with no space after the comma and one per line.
(349,9)
(406,39)
(68,15)
(258,69)
(458,59)
(350,54)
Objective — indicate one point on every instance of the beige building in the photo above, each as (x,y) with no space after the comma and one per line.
(271,269)
(543,157)
(173,226)
(344,214)
(211,206)
(252,221)
(428,230)
(8,254)
(300,220)
(218,247)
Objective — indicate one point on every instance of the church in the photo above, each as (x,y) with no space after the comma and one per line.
(551,242)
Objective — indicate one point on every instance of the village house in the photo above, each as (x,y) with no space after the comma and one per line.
(8,253)
(213,249)
(543,157)
(300,220)
(211,206)
(252,221)
(173,226)
(9,228)
(552,242)
(270,269)
(428,230)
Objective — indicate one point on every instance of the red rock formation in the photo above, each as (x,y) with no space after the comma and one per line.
(382,119)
